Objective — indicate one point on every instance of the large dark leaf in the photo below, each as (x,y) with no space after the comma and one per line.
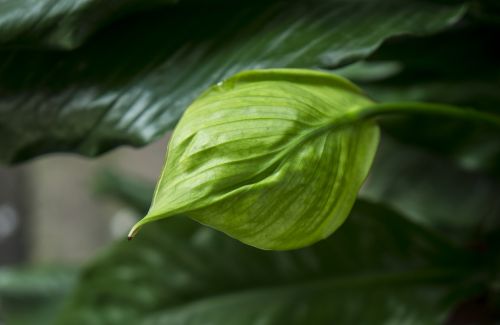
(378,269)
(130,84)
(62,24)
(462,205)
(451,73)
(471,145)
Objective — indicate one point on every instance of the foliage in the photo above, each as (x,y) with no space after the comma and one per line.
(241,158)
(131,82)
(396,272)
(421,244)
(34,295)
(275,158)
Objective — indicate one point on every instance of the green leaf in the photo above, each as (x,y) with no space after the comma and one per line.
(275,158)
(472,146)
(134,193)
(62,24)
(131,82)
(462,205)
(178,272)
(33,295)
(270,157)
(451,73)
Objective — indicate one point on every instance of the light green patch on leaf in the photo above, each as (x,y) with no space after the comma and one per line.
(274,158)
(366,71)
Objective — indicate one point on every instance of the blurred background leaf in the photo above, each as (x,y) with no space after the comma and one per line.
(459,67)
(134,193)
(180,272)
(33,295)
(461,205)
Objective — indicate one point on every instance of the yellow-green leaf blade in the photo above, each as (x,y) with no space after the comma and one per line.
(273,158)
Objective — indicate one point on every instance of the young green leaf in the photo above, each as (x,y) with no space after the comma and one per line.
(273,158)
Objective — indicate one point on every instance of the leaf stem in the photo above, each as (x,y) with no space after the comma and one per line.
(428,109)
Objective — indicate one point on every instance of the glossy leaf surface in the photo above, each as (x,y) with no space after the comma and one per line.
(131,82)
(62,24)
(270,157)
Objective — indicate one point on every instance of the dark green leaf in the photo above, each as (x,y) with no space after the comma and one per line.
(178,272)
(473,146)
(62,24)
(461,205)
(451,73)
(33,296)
(131,83)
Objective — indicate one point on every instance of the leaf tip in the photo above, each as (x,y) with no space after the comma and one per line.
(133,232)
